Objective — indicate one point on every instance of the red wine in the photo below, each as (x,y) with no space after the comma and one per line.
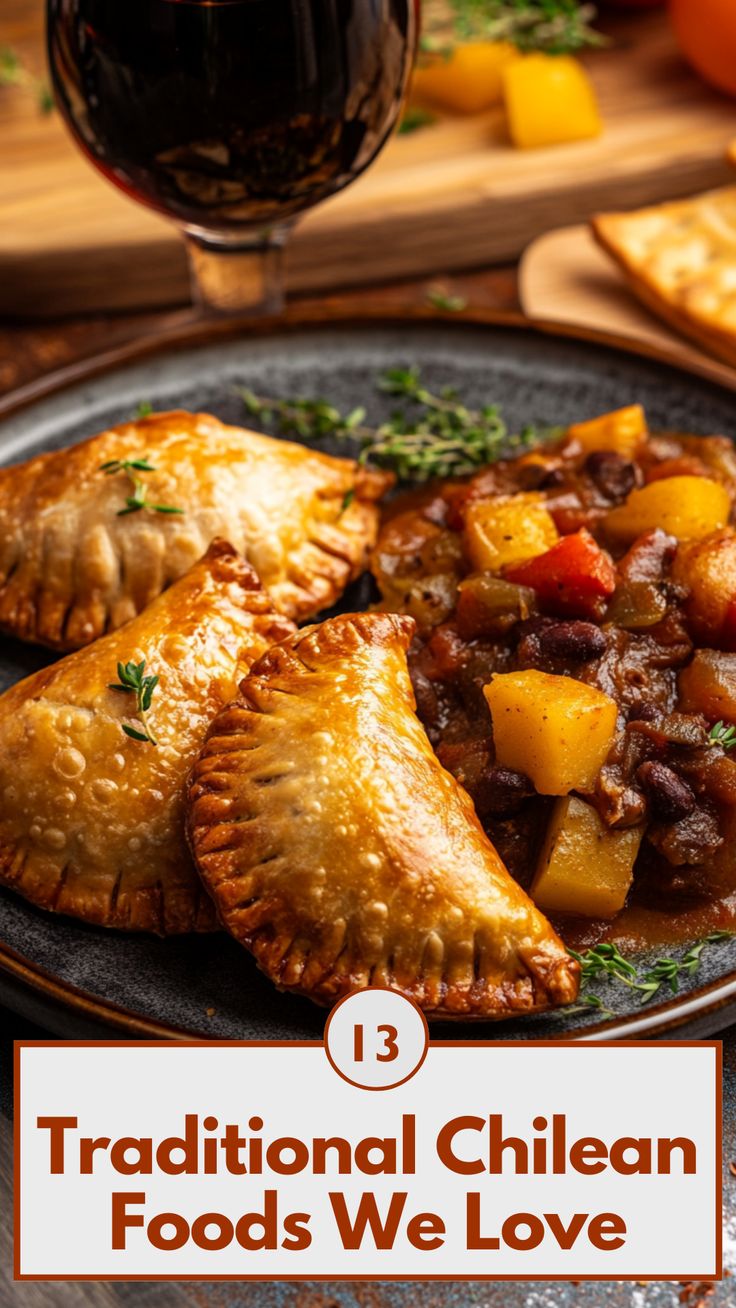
(228,114)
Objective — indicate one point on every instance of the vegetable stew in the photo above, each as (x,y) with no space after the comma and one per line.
(575,668)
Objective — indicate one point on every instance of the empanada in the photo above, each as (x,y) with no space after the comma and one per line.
(341,853)
(680,259)
(78,559)
(92,818)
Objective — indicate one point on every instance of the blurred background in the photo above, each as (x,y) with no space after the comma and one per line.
(524,119)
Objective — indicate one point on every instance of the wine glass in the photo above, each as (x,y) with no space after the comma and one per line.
(231,117)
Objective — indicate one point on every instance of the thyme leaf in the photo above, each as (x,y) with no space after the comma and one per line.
(413,119)
(13,73)
(431,435)
(138,500)
(439,299)
(132,681)
(722,735)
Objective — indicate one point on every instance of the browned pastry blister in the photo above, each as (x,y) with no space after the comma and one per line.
(91,820)
(72,567)
(340,852)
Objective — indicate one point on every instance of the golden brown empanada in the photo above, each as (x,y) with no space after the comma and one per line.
(73,567)
(92,820)
(341,853)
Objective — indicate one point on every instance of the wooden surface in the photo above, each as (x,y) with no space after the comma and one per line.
(452,195)
(565,278)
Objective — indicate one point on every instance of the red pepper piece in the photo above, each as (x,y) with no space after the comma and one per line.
(574,576)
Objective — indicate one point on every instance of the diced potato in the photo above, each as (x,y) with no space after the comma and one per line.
(622,431)
(507,530)
(686,507)
(708,685)
(707,568)
(466,82)
(549,100)
(584,867)
(556,730)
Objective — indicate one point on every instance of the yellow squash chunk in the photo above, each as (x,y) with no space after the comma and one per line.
(686,507)
(622,431)
(708,685)
(549,100)
(503,531)
(467,82)
(584,868)
(707,569)
(556,730)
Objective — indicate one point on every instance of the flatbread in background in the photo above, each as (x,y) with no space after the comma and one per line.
(680,260)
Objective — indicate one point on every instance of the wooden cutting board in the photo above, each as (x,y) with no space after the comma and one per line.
(452,195)
(567,280)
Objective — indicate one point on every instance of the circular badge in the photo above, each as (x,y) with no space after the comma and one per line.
(376,1039)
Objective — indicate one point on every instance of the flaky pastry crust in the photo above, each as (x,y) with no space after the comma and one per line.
(92,821)
(340,852)
(72,568)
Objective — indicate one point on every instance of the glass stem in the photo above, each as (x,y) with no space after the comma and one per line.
(238,276)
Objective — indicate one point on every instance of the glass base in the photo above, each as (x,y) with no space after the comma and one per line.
(237,277)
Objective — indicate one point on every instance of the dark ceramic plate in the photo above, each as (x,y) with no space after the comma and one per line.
(76,980)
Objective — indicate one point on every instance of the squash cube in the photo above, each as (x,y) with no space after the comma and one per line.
(622,431)
(549,100)
(506,530)
(556,730)
(707,569)
(584,868)
(686,507)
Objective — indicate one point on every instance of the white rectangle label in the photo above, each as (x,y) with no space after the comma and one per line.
(490,1161)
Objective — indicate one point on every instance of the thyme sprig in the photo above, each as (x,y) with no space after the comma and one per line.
(606,961)
(722,735)
(132,681)
(439,299)
(433,435)
(14,73)
(553,26)
(138,499)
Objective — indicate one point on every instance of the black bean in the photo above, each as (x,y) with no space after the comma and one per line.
(670,797)
(575,642)
(499,791)
(643,712)
(614,475)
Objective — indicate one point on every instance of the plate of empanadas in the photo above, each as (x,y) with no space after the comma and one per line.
(303,694)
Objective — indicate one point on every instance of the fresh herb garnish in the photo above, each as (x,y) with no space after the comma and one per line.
(137,501)
(434,435)
(554,26)
(13,73)
(413,119)
(606,961)
(133,682)
(144,409)
(122,465)
(722,735)
(439,299)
